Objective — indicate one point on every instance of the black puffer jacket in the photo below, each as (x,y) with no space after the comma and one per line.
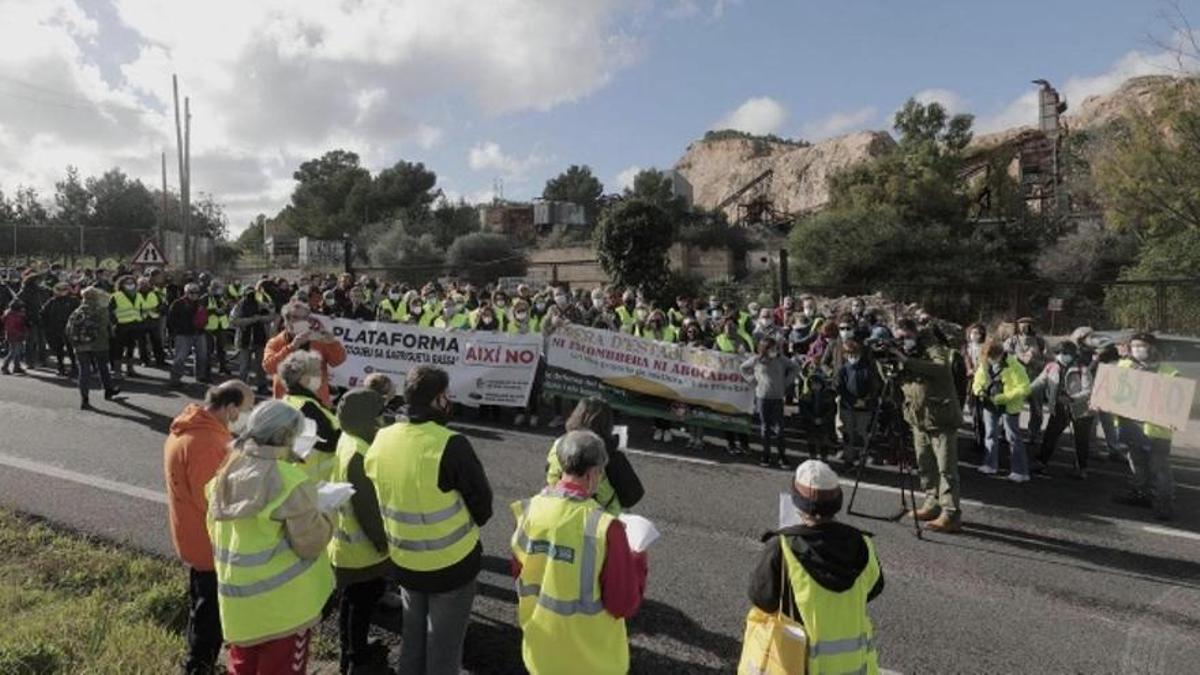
(55,313)
(834,554)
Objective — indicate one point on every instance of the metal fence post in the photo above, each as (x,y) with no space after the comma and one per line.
(1160,306)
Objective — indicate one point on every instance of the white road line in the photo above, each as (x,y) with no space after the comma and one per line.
(83,479)
(895,490)
(693,460)
(1171,532)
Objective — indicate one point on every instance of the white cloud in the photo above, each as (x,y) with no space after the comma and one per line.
(275,82)
(489,156)
(625,178)
(952,102)
(759,115)
(839,123)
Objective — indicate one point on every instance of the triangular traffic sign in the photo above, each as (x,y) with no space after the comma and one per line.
(149,254)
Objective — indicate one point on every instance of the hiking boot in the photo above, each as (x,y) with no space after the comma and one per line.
(112,394)
(1134,498)
(85,405)
(948,523)
(925,514)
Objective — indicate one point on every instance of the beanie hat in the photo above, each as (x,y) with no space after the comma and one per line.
(816,490)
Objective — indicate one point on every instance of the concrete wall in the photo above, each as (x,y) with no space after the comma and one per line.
(708,265)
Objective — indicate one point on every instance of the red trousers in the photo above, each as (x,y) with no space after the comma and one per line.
(283,655)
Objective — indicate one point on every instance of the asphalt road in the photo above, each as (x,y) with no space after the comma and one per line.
(1050,577)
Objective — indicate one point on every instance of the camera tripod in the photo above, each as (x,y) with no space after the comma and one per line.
(908,497)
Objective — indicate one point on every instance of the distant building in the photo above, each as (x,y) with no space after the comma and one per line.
(510,219)
(548,214)
(279,240)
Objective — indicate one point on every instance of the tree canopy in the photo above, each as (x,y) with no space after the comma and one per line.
(483,256)
(632,241)
(577,185)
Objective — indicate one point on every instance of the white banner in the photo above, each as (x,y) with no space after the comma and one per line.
(485,368)
(702,377)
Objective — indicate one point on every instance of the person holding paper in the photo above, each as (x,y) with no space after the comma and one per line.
(301,333)
(1149,444)
(619,488)
(823,573)
(301,376)
(359,549)
(269,546)
(577,578)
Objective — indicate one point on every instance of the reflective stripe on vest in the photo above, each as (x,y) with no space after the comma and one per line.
(264,588)
(127,310)
(350,547)
(840,635)
(427,529)
(560,542)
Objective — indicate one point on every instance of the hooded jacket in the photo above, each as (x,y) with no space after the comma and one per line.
(833,553)
(192,454)
(358,414)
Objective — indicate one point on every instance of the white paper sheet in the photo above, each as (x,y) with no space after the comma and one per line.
(622,433)
(788,516)
(332,495)
(303,446)
(640,531)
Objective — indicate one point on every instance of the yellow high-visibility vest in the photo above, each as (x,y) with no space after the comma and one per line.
(318,465)
(458,321)
(149,303)
(388,311)
(560,542)
(350,547)
(128,311)
(263,588)
(427,529)
(726,344)
(841,638)
(217,318)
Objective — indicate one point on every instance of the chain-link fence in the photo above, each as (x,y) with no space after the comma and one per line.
(91,246)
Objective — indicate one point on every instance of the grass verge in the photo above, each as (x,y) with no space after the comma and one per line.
(75,604)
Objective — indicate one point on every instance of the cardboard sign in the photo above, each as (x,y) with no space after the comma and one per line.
(1140,395)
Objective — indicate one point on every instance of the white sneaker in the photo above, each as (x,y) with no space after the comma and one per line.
(667,436)
(1018,477)
(518,420)
(987,470)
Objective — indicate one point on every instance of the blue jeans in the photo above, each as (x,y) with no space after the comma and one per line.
(93,361)
(771,425)
(16,354)
(992,421)
(1150,461)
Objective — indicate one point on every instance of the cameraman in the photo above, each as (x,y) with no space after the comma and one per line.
(932,409)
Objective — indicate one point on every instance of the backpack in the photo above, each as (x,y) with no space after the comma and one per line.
(82,327)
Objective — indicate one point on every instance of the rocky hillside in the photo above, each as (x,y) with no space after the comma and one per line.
(720,165)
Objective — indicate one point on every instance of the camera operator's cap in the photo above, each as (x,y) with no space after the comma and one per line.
(1025,319)
(1143,336)
(1066,347)
(816,489)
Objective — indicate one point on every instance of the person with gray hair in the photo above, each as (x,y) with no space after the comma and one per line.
(186,318)
(269,546)
(300,373)
(301,332)
(577,578)
(88,329)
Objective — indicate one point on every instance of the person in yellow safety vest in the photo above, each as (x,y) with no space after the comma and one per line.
(419,313)
(300,373)
(269,546)
(217,328)
(432,300)
(522,322)
(732,339)
(150,338)
(127,315)
(657,328)
(1152,485)
(500,305)
(359,549)
(577,577)
(392,308)
(434,496)
(451,318)
(620,488)
(234,291)
(626,312)
(681,312)
(829,572)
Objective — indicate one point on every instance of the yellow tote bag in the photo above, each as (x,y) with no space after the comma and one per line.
(773,644)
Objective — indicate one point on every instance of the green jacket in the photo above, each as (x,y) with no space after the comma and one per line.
(930,399)
(1014,385)
(101,316)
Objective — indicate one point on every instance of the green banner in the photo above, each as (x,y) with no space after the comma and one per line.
(564,383)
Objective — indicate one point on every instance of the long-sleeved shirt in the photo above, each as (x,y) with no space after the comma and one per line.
(623,576)
(771,375)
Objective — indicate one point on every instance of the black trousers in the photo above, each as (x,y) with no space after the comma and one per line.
(204,636)
(1082,429)
(61,348)
(355,610)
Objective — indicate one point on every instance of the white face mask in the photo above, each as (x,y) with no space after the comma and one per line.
(1066,359)
(1140,353)
(772,353)
(909,344)
(303,446)
(521,316)
(393,296)
(846,334)
(312,383)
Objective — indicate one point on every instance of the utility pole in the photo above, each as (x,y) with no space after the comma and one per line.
(162,222)
(188,254)
(179,152)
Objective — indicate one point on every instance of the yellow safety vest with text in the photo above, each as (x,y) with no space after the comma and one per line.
(318,465)
(841,638)
(560,542)
(350,548)
(263,588)
(427,529)
(127,311)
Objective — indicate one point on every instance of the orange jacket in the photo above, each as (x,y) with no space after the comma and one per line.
(192,454)
(333,354)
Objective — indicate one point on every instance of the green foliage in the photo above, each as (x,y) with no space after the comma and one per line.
(631,244)
(736,134)
(1167,256)
(654,187)
(72,200)
(23,208)
(483,256)
(577,185)
(409,258)
(119,202)
(929,124)
(708,231)
(251,239)
(677,284)
(31,658)
(447,222)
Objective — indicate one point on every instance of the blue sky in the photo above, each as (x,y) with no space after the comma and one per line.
(517,90)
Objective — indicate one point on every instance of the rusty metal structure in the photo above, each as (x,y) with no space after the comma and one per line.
(753,203)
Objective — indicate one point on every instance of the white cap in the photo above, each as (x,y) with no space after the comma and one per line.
(816,475)
(816,490)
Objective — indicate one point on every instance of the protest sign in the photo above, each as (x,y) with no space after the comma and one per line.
(1142,395)
(485,368)
(648,378)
